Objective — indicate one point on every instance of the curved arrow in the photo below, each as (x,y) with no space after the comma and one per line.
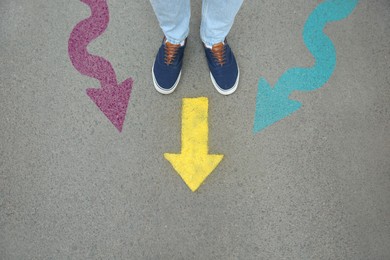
(112,98)
(273,104)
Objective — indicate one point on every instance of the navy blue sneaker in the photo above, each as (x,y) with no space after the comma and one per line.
(166,69)
(224,71)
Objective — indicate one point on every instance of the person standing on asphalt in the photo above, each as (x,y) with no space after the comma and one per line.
(217,20)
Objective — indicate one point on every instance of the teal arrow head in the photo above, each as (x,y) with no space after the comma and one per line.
(272,105)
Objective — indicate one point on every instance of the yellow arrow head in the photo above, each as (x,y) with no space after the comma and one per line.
(194,169)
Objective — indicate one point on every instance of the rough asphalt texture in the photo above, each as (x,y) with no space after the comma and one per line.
(313,186)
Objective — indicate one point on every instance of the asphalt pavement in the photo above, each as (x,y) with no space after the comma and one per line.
(314,185)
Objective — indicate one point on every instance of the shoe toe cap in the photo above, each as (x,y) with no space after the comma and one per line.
(165,79)
(227,79)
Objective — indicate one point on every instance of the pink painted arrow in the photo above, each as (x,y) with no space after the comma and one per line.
(112,98)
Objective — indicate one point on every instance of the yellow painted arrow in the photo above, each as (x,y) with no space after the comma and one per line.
(194,163)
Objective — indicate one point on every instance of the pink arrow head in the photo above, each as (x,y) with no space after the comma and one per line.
(113,101)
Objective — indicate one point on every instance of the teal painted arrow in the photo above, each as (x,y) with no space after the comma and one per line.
(273,104)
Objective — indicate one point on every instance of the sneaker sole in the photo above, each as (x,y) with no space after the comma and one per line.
(162,90)
(224,91)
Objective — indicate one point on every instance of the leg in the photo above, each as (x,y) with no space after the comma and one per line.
(217,19)
(174,18)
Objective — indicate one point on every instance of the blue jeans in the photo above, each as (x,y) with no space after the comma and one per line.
(217,19)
